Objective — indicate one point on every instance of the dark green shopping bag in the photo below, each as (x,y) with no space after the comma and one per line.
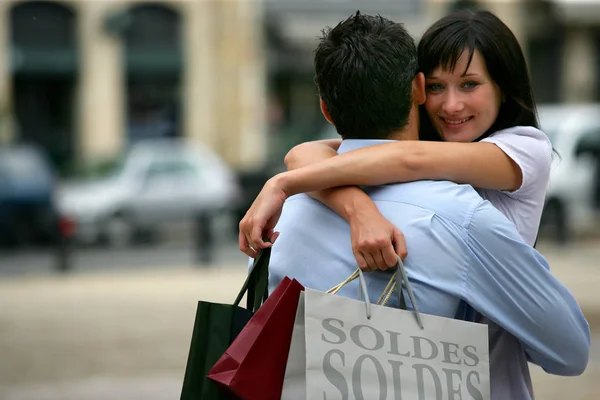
(215,328)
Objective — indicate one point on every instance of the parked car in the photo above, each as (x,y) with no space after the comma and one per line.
(155,182)
(28,212)
(572,204)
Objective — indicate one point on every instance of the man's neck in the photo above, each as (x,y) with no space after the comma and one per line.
(411,130)
(408,133)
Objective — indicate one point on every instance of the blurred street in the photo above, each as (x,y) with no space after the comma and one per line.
(94,259)
(123,332)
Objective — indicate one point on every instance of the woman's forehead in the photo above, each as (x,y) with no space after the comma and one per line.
(465,63)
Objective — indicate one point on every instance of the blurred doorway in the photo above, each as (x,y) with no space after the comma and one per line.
(597,48)
(545,41)
(153,67)
(45,66)
(293,93)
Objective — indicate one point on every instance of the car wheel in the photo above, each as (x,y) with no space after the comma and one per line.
(118,230)
(554,222)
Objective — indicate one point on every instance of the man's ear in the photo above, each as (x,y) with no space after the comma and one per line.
(418,89)
(325,111)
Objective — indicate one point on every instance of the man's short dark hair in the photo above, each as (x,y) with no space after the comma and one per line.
(364,72)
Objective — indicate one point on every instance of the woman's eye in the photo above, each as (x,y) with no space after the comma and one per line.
(434,87)
(470,85)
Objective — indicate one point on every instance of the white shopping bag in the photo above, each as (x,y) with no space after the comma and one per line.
(294,381)
(349,349)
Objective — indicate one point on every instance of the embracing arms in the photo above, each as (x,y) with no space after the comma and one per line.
(480,164)
(315,168)
(375,241)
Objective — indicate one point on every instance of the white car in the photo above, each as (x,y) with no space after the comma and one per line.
(156,182)
(573,199)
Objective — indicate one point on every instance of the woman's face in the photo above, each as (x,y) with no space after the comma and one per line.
(461,105)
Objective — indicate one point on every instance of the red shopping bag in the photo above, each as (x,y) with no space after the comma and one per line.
(253,366)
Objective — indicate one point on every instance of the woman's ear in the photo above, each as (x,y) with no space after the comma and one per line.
(418,86)
(325,111)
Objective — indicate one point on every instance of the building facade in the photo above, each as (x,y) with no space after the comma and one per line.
(84,78)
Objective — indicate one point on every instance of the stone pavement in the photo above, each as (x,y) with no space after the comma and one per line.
(126,335)
(578,268)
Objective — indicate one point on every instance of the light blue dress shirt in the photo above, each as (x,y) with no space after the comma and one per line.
(463,253)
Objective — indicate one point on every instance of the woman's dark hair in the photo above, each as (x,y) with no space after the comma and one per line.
(445,41)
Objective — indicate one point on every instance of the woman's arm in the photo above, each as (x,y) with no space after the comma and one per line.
(345,201)
(311,152)
(480,164)
(375,241)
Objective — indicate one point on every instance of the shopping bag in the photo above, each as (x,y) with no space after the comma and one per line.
(216,326)
(343,348)
(252,368)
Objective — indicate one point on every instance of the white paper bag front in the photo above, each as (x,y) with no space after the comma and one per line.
(294,381)
(388,356)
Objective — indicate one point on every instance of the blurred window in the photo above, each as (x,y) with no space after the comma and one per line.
(153,26)
(159,171)
(154,60)
(44,61)
(42,24)
(43,38)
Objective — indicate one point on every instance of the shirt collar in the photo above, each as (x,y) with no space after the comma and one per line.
(354,144)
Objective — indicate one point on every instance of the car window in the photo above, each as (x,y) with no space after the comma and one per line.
(113,168)
(589,142)
(171,170)
(550,122)
(23,166)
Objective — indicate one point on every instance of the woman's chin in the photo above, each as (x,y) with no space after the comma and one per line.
(463,136)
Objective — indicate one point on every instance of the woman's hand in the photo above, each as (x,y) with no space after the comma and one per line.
(261,218)
(376,242)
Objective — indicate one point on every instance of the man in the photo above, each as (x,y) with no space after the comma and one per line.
(462,250)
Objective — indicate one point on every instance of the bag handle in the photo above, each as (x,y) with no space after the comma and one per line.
(411,296)
(257,282)
(396,280)
(362,286)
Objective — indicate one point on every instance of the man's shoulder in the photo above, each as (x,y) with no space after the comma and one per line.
(448,200)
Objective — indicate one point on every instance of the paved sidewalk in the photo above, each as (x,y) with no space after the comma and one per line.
(126,336)
(85,336)
(578,268)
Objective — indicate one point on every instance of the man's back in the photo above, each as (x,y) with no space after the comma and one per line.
(460,248)
(314,245)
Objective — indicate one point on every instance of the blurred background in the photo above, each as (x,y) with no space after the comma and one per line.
(135,134)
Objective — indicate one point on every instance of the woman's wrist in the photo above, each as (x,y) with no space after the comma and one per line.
(283,182)
(358,207)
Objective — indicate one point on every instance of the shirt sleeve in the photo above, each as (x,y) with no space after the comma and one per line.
(509,282)
(531,150)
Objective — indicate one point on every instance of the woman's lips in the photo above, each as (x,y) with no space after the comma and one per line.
(455,123)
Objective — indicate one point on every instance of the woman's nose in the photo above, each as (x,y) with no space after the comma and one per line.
(452,103)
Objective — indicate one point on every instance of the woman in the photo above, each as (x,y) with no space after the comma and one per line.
(478,90)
